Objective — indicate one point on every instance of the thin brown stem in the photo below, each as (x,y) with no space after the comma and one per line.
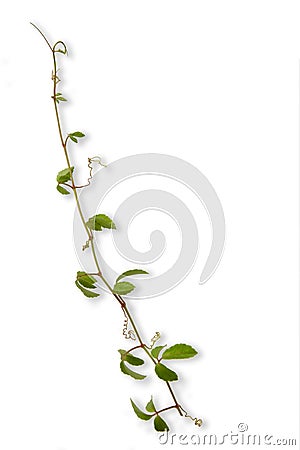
(165,409)
(47,42)
(174,398)
(133,348)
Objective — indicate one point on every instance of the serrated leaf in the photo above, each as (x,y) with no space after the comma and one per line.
(139,413)
(165,373)
(62,190)
(150,406)
(131,359)
(123,288)
(64,175)
(86,280)
(131,373)
(77,134)
(90,278)
(160,424)
(134,360)
(100,221)
(156,350)
(179,351)
(128,273)
(86,292)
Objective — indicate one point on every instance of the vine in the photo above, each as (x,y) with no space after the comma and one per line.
(87,282)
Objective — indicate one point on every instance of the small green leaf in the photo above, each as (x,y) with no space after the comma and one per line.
(140,413)
(74,135)
(62,190)
(100,221)
(123,288)
(150,406)
(64,175)
(179,351)
(86,292)
(128,273)
(77,134)
(134,360)
(156,350)
(61,99)
(160,424)
(131,359)
(165,373)
(86,280)
(131,373)
(90,278)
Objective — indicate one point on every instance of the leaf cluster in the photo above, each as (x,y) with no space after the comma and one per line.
(125,287)
(85,283)
(177,351)
(59,98)
(63,177)
(159,423)
(76,134)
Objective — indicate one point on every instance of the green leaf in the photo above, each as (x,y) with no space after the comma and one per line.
(128,273)
(86,292)
(100,221)
(77,134)
(62,190)
(140,413)
(134,360)
(61,99)
(165,373)
(64,175)
(86,280)
(179,351)
(123,288)
(90,278)
(150,406)
(156,350)
(131,373)
(131,359)
(160,424)
(74,135)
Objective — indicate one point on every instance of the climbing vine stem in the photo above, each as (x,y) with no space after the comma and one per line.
(86,282)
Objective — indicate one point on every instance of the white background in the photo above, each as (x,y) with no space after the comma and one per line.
(215,83)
